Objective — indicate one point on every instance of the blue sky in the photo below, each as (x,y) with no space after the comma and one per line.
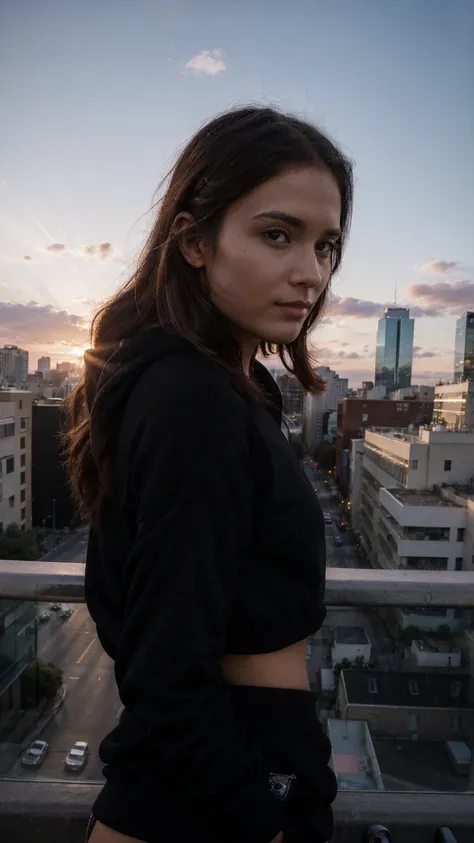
(97,96)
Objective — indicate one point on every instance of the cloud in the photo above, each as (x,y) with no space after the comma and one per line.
(330,354)
(444,297)
(356,308)
(102,251)
(207,62)
(438,267)
(56,248)
(366,309)
(33,323)
(27,258)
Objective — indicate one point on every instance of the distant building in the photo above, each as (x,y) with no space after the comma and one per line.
(356,415)
(65,367)
(53,506)
(464,348)
(44,364)
(13,366)
(15,458)
(293,395)
(394,349)
(415,393)
(318,408)
(429,705)
(454,405)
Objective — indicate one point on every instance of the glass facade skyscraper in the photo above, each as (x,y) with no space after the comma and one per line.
(394,350)
(464,348)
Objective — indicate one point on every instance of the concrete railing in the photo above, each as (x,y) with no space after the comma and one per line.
(40,811)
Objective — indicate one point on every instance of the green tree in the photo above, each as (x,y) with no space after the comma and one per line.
(325,455)
(16,544)
(41,681)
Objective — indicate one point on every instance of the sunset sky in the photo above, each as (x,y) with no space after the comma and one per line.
(97,95)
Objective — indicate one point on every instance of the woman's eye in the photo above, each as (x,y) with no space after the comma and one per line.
(277,235)
(326,248)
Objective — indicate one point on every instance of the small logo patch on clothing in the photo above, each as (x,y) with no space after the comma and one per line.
(280,784)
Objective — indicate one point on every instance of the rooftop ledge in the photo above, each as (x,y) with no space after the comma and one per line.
(36,812)
(64,581)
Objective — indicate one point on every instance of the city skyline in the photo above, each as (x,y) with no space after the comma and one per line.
(87,142)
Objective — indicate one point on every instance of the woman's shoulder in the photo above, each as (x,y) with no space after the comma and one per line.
(186,381)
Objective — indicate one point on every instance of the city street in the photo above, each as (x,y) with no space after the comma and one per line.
(382,644)
(91,705)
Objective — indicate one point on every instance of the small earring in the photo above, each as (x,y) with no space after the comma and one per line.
(193,265)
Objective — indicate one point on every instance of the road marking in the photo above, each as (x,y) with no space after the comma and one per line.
(84,654)
(73,677)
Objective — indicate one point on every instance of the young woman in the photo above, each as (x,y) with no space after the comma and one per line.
(206,560)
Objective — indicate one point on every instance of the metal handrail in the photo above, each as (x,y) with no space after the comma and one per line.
(64,582)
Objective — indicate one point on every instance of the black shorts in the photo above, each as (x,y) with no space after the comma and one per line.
(284,724)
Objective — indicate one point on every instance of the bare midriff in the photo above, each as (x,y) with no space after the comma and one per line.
(282,669)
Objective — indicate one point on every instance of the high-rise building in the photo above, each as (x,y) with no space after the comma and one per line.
(464,348)
(44,364)
(394,351)
(13,366)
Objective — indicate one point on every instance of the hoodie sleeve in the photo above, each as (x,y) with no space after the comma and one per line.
(191,482)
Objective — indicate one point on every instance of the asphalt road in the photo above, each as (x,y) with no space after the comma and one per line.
(91,705)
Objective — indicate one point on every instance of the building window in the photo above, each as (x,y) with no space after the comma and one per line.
(373,689)
(1,492)
(23,514)
(455,690)
(413,688)
(23,496)
(7,430)
(22,423)
(23,460)
(10,465)
(21,404)
(447,465)
(455,723)
(414,464)
(11,501)
(22,443)
(460,537)
(22,478)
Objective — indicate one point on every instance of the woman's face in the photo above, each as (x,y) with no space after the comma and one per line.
(273,256)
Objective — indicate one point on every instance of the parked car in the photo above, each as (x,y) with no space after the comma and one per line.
(327,517)
(45,616)
(35,754)
(66,612)
(342,526)
(55,607)
(338,541)
(76,759)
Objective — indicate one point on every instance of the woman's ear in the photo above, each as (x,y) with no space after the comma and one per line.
(190,247)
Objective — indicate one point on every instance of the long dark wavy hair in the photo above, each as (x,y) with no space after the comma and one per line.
(223,161)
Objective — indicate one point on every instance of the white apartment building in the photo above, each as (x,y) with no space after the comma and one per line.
(413,514)
(15,458)
(454,405)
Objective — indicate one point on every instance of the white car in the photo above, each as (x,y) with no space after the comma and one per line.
(327,517)
(76,759)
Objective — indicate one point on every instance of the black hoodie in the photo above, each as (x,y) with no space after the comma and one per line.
(210,541)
